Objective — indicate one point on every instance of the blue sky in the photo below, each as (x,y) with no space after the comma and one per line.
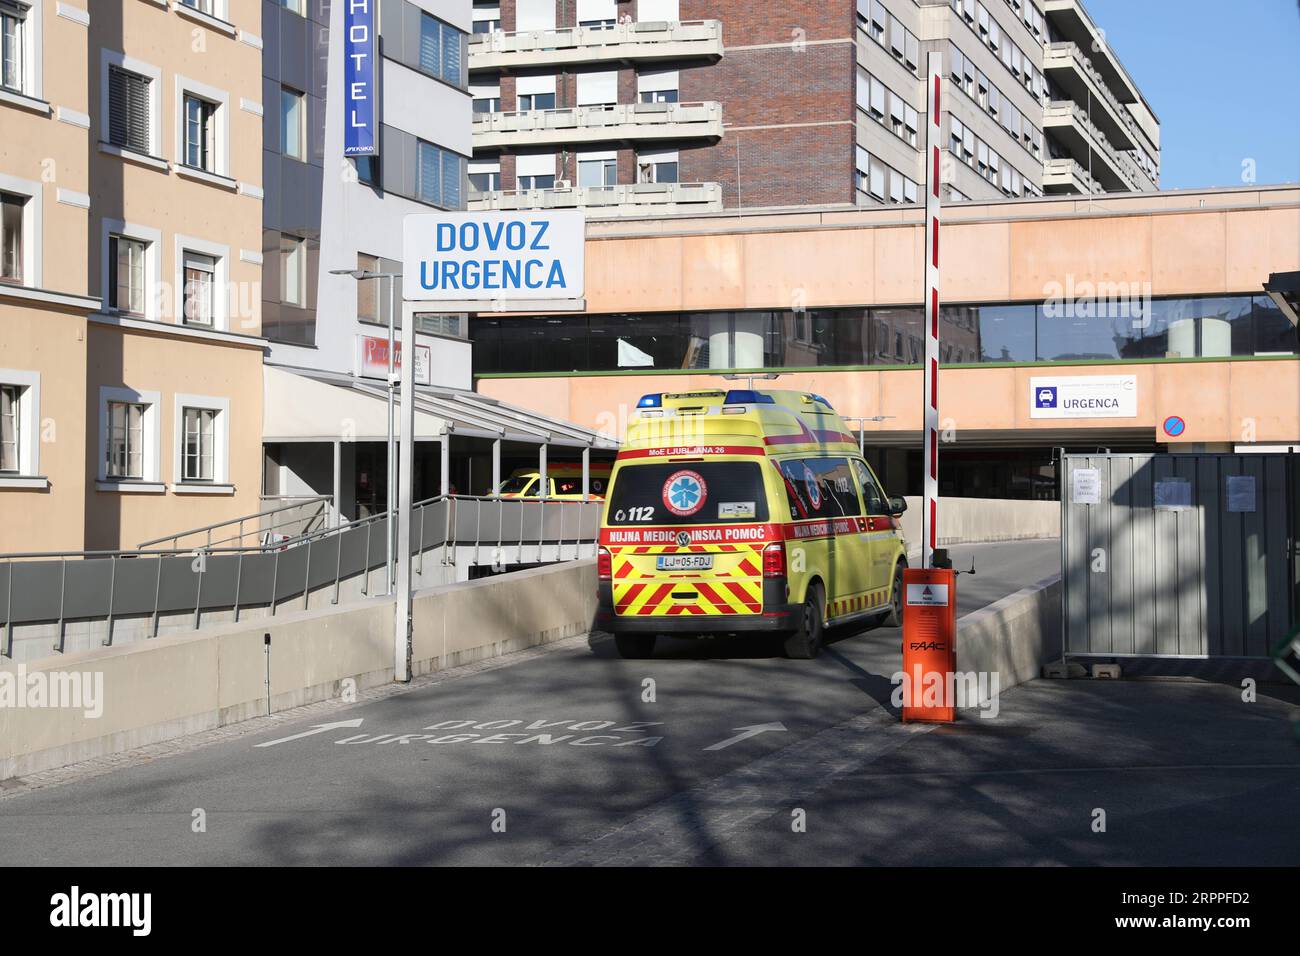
(1223,76)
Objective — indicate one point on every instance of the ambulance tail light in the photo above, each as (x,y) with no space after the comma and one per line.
(604,564)
(774,560)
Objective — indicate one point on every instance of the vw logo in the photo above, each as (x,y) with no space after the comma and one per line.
(683,539)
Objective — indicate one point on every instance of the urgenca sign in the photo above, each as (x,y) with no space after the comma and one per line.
(473,256)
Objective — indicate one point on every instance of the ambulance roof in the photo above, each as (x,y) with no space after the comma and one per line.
(776,421)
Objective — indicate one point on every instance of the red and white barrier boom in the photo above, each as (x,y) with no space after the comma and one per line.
(930,425)
(930,598)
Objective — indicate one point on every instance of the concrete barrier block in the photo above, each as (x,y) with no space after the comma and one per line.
(1056,670)
(1105,671)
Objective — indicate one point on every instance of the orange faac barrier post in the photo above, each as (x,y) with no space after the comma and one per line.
(929,644)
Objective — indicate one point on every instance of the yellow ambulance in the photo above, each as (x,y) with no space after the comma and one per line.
(744,510)
(564,478)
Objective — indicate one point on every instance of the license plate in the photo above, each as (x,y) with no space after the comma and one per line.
(684,562)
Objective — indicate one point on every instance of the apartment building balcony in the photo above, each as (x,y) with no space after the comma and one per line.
(580,125)
(1072,21)
(617,43)
(607,202)
(1066,175)
(1068,124)
(1076,74)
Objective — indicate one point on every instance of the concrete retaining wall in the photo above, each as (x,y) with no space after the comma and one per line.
(155,690)
(970,520)
(1013,637)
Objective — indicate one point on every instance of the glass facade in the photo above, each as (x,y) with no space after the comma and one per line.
(1175,328)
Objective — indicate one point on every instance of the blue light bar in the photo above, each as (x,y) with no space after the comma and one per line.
(823,401)
(651,401)
(745,396)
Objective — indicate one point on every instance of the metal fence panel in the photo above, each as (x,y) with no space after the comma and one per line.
(37,589)
(1150,578)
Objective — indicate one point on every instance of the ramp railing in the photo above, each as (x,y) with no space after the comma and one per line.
(103,596)
(297,516)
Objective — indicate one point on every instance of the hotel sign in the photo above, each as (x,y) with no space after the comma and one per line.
(359,73)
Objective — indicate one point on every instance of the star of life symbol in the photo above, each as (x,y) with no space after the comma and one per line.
(684,492)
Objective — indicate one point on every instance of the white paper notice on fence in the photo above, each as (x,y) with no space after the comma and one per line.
(1173,494)
(1241,493)
(1085,486)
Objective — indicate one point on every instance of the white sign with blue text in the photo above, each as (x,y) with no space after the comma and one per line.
(1083,396)
(482,256)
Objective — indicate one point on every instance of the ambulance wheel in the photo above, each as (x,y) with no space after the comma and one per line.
(895,616)
(805,643)
(635,647)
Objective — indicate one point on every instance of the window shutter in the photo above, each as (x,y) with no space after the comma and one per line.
(430,44)
(451,55)
(128,107)
(451,174)
(430,173)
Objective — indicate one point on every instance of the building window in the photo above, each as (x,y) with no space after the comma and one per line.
(10,428)
(434,324)
(657,167)
(484,175)
(13,35)
(125,440)
(367,169)
(203,6)
(441,51)
(200,133)
(659,96)
(129,122)
(487,17)
(293,270)
(538,181)
(126,274)
(487,104)
(597,171)
(293,124)
(375,296)
(536,101)
(438,175)
(12,207)
(295,6)
(198,458)
(200,289)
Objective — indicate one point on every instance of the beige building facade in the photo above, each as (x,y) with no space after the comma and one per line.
(130,326)
(1161,295)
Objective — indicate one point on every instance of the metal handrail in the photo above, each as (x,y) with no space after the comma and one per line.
(539,547)
(209,528)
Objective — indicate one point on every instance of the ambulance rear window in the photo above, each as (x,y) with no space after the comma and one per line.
(693,492)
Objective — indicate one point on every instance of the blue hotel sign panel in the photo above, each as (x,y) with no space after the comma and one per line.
(359,71)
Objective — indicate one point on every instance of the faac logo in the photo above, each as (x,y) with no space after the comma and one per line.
(927,646)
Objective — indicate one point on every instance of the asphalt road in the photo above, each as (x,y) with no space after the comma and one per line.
(569,755)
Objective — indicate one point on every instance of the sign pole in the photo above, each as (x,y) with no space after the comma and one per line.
(406,458)
(930,397)
(391,491)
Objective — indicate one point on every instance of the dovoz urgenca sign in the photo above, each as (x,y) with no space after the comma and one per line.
(481,256)
(359,86)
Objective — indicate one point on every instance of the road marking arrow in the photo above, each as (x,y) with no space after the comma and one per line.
(318,729)
(753,730)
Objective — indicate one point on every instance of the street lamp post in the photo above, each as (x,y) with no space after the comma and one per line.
(390,491)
